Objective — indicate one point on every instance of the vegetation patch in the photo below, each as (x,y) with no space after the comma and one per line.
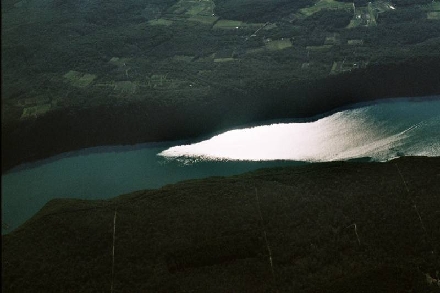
(356,42)
(183,58)
(125,86)
(33,101)
(35,111)
(196,9)
(117,61)
(435,5)
(332,40)
(79,79)
(228,24)
(305,65)
(193,8)
(279,44)
(204,19)
(255,50)
(344,66)
(160,21)
(323,4)
(433,15)
(329,227)
(227,59)
(270,26)
(45,39)
(319,48)
(161,81)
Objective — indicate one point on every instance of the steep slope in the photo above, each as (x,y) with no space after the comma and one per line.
(332,227)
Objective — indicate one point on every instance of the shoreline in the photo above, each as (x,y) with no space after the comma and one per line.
(198,233)
(137,146)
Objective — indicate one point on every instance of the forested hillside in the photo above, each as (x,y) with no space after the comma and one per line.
(333,227)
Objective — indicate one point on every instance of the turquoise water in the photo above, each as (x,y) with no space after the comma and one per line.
(381,131)
(102,173)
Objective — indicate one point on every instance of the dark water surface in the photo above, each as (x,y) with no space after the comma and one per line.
(381,131)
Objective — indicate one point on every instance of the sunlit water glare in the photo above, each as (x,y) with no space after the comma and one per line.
(380,131)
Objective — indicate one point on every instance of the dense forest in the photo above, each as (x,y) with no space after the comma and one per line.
(83,73)
(257,10)
(86,73)
(332,227)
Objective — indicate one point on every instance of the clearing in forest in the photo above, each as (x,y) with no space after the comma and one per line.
(279,44)
(323,4)
(35,111)
(433,15)
(160,21)
(79,79)
(193,7)
(228,24)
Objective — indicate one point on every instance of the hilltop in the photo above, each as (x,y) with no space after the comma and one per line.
(330,227)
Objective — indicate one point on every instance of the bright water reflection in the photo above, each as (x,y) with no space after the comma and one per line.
(381,131)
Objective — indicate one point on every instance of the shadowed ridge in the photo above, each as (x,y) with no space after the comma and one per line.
(206,235)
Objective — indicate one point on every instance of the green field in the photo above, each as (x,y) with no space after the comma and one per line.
(79,79)
(323,4)
(279,44)
(193,8)
(183,58)
(35,111)
(319,48)
(433,15)
(160,21)
(228,24)
(219,60)
(209,20)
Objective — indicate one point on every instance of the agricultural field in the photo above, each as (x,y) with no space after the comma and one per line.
(435,11)
(319,48)
(279,44)
(433,15)
(207,20)
(193,7)
(35,111)
(228,24)
(323,5)
(160,21)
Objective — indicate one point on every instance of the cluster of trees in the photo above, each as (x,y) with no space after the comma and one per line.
(403,33)
(327,20)
(258,10)
(410,2)
(399,3)
(389,33)
(412,15)
(112,12)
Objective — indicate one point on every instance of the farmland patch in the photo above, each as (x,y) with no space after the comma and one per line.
(35,111)
(160,21)
(79,79)
(322,4)
(278,44)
